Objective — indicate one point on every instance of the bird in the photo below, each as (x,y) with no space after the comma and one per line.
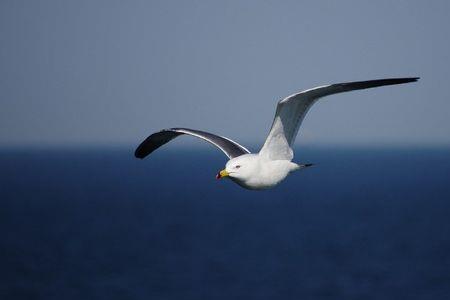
(273,163)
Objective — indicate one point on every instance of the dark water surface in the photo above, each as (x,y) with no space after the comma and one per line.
(361,224)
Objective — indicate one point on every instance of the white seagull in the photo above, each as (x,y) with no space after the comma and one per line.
(257,171)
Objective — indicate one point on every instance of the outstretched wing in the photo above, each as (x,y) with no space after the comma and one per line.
(292,110)
(156,140)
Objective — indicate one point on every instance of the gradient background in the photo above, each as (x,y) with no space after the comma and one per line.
(82,83)
(111,72)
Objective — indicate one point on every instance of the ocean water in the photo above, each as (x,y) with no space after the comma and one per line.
(99,224)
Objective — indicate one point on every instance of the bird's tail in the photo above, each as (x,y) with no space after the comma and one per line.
(296,167)
(302,166)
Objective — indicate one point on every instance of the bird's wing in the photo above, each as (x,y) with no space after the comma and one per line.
(292,110)
(156,140)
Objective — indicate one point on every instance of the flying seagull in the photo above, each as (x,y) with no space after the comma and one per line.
(257,171)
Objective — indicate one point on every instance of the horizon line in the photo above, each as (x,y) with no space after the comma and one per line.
(188,146)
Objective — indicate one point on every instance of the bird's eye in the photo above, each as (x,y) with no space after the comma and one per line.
(238,166)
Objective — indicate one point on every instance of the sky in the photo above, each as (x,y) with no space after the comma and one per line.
(96,73)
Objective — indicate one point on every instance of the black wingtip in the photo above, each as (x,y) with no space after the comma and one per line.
(392,81)
(140,151)
(407,79)
(139,155)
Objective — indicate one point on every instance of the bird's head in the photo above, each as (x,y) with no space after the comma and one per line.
(240,168)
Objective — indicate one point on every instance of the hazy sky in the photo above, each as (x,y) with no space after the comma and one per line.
(112,72)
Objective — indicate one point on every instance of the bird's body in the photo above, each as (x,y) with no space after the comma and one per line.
(274,161)
(257,172)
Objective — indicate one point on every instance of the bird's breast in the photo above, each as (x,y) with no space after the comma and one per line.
(269,175)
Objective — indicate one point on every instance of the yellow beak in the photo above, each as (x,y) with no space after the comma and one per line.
(222,173)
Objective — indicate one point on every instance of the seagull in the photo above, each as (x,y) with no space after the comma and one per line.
(263,170)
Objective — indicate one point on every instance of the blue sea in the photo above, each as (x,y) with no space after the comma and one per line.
(99,224)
